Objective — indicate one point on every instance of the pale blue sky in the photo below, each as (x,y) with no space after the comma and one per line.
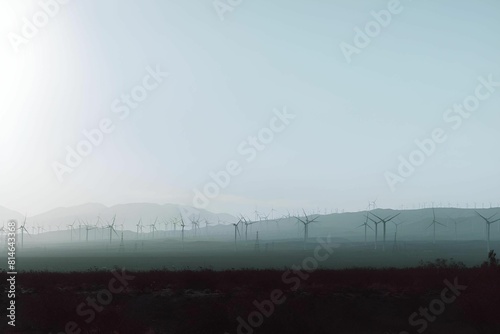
(226,77)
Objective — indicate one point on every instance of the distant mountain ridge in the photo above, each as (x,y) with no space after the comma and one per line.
(455,223)
(126,214)
(8,214)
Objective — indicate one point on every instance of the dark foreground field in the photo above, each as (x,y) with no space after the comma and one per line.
(433,298)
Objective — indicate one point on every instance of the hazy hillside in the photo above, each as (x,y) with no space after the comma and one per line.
(7,214)
(126,214)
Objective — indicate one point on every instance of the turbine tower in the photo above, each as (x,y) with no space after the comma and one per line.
(183,225)
(395,246)
(23,229)
(111,227)
(153,228)
(87,229)
(195,224)
(71,229)
(366,226)
(139,227)
(247,223)
(488,222)
(236,231)
(434,222)
(383,221)
(306,223)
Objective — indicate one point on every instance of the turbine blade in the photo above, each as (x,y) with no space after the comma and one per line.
(388,220)
(481,215)
(303,222)
(376,216)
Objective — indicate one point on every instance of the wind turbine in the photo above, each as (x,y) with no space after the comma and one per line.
(183,226)
(257,215)
(488,222)
(71,229)
(366,226)
(79,230)
(175,222)
(272,213)
(456,228)
(306,225)
(434,222)
(247,223)
(206,225)
(195,224)
(122,226)
(87,229)
(384,222)
(236,230)
(139,227)
(23,228)
(153,227)
(111,227)
(264,217)
(396,235)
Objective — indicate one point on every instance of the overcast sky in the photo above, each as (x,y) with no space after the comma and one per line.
(353,116)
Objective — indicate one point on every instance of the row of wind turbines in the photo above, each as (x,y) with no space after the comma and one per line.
(303,220)
(376,220)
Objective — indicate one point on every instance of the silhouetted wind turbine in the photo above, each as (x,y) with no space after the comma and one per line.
(79,230)
(195,224)
(488,222)
(456,228)
(183,226)
(434,222)
(175,222)
(111,227)
(206,225)
(384,222)
(23,228)
(153,227)
(71,229)
(139,227)
(395,246)
(87,229)
(306,225)
(247,223)
(366,226)
(236,230)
